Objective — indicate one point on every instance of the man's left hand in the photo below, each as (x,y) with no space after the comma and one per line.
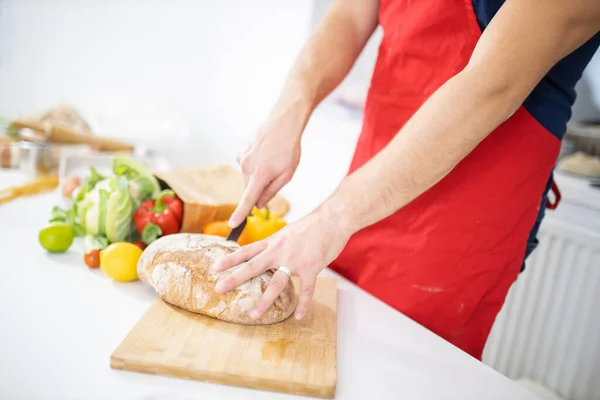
(305,247)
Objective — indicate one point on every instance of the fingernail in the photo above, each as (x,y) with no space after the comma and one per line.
(299,314)
(220,287)
(254,314)
(232,223)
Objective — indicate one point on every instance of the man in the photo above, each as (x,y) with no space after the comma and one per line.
(462,127)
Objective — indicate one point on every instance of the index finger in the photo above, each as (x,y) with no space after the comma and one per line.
(256,185)
(240,255)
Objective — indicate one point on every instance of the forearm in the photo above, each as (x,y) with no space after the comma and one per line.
(444,130)
(328,56)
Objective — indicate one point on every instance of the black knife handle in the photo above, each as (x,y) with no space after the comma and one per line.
(235,233)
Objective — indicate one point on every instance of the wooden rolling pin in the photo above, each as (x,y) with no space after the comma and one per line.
(42,184)
(59,134)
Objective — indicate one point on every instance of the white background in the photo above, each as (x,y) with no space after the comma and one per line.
(210,69)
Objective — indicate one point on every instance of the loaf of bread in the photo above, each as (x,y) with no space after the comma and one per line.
(180,268)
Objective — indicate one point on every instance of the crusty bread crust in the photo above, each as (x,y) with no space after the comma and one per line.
(180,268)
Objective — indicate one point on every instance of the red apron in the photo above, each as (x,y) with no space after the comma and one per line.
(448,258)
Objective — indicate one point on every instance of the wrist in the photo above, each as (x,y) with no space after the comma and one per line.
(294,105)
(337,215)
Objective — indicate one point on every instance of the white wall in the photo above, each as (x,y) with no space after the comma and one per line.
(213,66)
(587,105)
(208,68)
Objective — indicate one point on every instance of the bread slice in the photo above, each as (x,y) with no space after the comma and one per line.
(180,268)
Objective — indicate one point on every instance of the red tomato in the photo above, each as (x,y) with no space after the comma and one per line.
(140,244)
(92,258)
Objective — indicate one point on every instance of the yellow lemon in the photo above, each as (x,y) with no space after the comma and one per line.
(119,261)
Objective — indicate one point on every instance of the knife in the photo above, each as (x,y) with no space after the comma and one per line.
(235,233)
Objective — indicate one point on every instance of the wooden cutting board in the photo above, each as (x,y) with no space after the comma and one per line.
(292,356)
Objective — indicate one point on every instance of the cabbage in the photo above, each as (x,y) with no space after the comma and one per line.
(143,185)
(119,213)
(107,210)
(89,184)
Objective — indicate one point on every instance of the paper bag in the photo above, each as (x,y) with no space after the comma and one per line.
(210,194)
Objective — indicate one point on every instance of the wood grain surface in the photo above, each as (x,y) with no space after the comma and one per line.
(292,356)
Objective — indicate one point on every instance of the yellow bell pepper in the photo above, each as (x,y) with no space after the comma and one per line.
(261,224)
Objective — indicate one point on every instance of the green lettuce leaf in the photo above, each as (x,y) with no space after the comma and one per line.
(119,213)
(67,216)
(95,242)
(143,185)
(89,184)
(102,210)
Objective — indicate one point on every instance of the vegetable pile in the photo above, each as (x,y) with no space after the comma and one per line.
(119,215)
(125,207)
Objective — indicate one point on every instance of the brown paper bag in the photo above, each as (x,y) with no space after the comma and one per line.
(210,194)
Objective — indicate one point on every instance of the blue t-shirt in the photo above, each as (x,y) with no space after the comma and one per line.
(551,100)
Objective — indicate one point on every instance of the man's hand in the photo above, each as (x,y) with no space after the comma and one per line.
(306,247)
(269,162)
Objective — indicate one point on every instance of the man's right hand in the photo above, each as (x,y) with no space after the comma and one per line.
(269,162)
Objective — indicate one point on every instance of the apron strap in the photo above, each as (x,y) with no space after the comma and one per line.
(557,196)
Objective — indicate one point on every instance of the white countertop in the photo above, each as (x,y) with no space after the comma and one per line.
(61,321)
(220,67)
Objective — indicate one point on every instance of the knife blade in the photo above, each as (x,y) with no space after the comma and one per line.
(235,233)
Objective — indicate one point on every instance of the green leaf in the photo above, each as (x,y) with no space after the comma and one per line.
(119,212)
(97,242)
(67,216)
(159,206)
(81,209)
(89,184)
(136,172)
(125,171)
(72,220)
(95,177)
(151,233)
(146,189)
(58,215)
(78,229)
(102,206)
(120,169)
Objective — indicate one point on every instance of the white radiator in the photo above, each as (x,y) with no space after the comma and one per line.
(549,329)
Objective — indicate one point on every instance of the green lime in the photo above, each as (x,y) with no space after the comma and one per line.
(57,237)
